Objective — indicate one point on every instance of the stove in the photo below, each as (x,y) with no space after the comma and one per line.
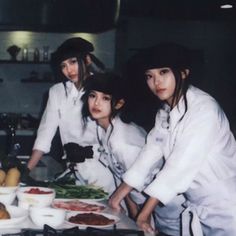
(90,231)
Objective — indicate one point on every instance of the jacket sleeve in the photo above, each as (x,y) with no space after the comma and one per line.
(48,124)
(147,162)
(195,141)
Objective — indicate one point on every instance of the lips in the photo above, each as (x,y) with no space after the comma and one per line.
(73,77)
(95,110)
(160,90)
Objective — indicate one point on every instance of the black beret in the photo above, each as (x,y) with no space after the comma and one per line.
(72,47)
(108,83)
(166,55)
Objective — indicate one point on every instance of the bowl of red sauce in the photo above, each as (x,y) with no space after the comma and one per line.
(35,196)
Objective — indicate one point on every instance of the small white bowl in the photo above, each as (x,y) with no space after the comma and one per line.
(32,199)
(7,198)
(50,216)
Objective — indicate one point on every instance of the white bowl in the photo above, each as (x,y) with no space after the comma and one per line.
(5,189)
(7,198)
(32,199)
(50,216)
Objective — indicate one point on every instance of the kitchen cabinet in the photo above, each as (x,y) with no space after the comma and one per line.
(58,16)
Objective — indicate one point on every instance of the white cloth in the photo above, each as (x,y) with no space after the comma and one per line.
(167,218)
(199,150)
(215,211)
(119,148)
(64,111)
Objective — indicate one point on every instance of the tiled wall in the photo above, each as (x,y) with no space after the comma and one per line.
(19,97)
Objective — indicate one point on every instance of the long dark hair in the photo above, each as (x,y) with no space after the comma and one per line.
(181,88)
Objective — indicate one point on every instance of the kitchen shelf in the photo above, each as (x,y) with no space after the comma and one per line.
(37,81)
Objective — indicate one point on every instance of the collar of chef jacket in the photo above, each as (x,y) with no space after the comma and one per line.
(72,91)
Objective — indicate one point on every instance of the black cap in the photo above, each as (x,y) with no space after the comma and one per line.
(72,47)
(109,83)
(166,55)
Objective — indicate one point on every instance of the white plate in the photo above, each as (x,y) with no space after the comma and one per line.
(74,213)
(79,200)
(17,215)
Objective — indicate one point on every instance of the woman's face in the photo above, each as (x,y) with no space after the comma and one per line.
(99,105)
(161,82)
(70,68)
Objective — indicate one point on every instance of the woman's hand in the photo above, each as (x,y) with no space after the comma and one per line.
(144,218)
(144,223)
(118,196)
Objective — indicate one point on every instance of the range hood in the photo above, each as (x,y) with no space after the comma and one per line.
(67,16)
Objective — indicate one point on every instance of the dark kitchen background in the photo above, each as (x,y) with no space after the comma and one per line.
(117,28)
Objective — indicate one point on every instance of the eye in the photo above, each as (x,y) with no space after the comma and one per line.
(164,71)
(74,60)
(107,98)
(148,76)
(62,66)
(91,95)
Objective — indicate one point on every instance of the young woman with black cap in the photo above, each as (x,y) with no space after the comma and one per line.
(119,142)
(70,62)
(193,136)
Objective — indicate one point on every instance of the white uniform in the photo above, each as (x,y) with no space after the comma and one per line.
(119,148)
(64,111)
(200,161)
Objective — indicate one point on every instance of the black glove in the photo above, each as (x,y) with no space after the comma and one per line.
(76,153)
(24,177)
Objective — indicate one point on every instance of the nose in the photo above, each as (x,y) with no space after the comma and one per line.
(69,69)
(96,101)
(157,80)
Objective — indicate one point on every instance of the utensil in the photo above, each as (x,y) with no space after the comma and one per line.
(71,170)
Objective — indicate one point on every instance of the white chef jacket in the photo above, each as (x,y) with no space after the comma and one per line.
(119,148)
(199,151)
(64,111)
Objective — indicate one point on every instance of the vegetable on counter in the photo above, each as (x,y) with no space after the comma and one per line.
(80,192)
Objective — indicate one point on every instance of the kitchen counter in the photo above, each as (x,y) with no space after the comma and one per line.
(124,223)
(46,171)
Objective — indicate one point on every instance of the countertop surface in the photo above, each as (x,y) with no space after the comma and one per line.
(46,170)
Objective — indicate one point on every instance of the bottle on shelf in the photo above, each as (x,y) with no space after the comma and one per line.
(25,53)
(36,55)
(46,53)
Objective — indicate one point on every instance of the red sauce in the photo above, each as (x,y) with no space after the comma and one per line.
(37,191)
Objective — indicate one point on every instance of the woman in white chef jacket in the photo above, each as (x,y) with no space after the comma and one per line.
(71,61)
(193,135)
(120,143)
